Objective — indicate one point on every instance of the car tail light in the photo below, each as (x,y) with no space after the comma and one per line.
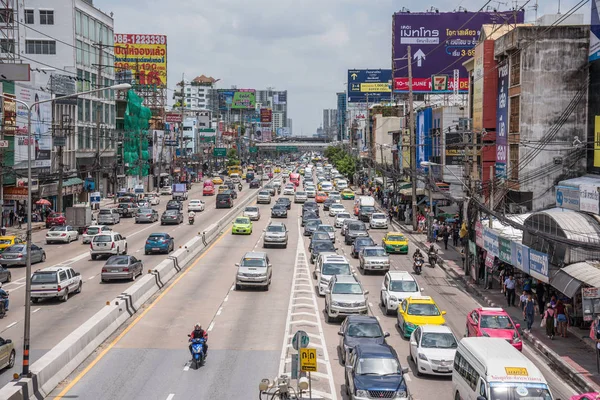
(147,242)
(125,269)
(59,288)
(63,234)
(104,270)
(85,232)
(112,246)
(20,255)
(91,246)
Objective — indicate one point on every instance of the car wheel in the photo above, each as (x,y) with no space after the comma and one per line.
(238,287)
(417,372)
(43,257)
(65,297)
(125,251)
(93,256)
(11,359)
(133,276)
(8,277)
(79,287)
(35,299)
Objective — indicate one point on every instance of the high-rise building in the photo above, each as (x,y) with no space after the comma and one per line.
(341,115)
(198,93)
(330,124)
(276,100)
(289,125)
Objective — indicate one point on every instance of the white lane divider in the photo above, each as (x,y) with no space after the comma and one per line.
(170,396)
(11,325)
(187,366)
(36,310)
(91,277)
(211,326)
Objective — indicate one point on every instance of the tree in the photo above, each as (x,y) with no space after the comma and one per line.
(232,158)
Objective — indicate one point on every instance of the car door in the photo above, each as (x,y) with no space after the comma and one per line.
(351,370)
(71,278)
(401,312)
(36,255)
(3,274)
(471,323)
(122,242)
(384,287)
(4,353)
(414,344)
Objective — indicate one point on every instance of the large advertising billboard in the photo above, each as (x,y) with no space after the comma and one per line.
(237,99)
(440,43)
(41,127)
(373,85)
(502,120)
(143,55)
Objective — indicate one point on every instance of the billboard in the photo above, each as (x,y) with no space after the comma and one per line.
(144,55)
(424,118)
(567,197)
(266,115)
(478,88)
(280,97)
(594,53)
(371,84)
(440,43)
(41,127)
(502,120)
(237,99)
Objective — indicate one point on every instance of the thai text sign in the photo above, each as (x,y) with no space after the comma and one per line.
(505,250)
(567,197)
(144,55)
(538,265)
(479,234)
(490,241)
(520,256)
(501,120)
(589,199)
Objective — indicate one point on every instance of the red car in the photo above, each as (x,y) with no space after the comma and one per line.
(494,322)
(56,219)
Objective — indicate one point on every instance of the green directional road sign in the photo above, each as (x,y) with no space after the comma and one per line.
(219,152)
(287,149)
(253,149)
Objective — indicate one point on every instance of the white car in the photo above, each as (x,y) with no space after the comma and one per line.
(378,220)
(335,197)
(154,200)
(432,348)
(300,197)
(311,192)
(335,209)
(166,190)
(252,212)
(92,231)
(341,184)
(340,217)
(264,197)
(289,190)
(397,286)
(196,205)
(108,244)
(62,234)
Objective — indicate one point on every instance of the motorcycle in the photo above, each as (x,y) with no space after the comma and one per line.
(191,220)
(418,265)
(240,187)
(432,259)
(198,356)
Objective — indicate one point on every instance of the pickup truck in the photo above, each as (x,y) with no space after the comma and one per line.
(127,210)
(181,196)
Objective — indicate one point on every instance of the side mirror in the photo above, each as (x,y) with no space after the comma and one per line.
(8,341)
(349,367)
(77,274)
(327,291)
(413,343)
(366,292)
(443,312)
(340,333)
(517,326)
(189,335)
(270,265)
(237,264)
(405,371)
(422,289)
(386,334)
(124,237)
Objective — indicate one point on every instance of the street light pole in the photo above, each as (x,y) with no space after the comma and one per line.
(27,322)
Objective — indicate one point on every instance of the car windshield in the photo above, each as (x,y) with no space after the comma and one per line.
(19,248)
(5,241)
(251,209)
(428,310)
(367,208)
(519,391)
(280,207)
(496,322)
(323,246)
(326,228)
(44,277)
(145,211)
(395,238)
(378,216)
(343,215)
(364,242)
(378,366)
(56,215)
(104,212)
(242,221)
(155,238)
(403,286)
(346,288)
(58,229)
(374,253)
(364,330)
(118,260)
(357,227)
(264,193)
(438,340)
(103,238)
(300,193)
(320,236)
(275,228)
(253,262)
(171,212)
(93,230)
(335,269)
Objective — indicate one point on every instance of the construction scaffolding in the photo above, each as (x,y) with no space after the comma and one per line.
(9,31)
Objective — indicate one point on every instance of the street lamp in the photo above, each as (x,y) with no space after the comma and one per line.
(27,322)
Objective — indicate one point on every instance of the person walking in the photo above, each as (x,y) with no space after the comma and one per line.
(11,218)
(530,310)
(549,315)
(446,236)
(455,236)
(522,300)
(509,288)
(540,291)
(561,318)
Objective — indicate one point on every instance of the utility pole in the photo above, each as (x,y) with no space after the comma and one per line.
(413,153)
(65,119)
(491,194)
(368,135)
(98,119)
(430,196)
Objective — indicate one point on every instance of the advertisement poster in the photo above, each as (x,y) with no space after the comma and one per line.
(238,99)
(501,120)
(41,129)
(567,197)
(594,53)
(589,199)
(505,250)
(373,85)
(538,265)
(520,256)
(144,55)
(490,242)
(479,234)
(424,119)
(478,88)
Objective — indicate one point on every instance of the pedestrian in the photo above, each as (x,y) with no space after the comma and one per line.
(11,218)
(3,230)
(446,236)
(509,288)
(527,284)
(540,291)
(561,318)
(20,220)
(548,318)
(522,300)
(455,236)
(530,309)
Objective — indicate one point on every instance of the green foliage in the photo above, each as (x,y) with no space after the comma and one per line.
(232,158)
(343,162)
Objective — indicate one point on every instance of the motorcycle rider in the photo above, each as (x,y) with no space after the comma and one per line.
(191,216)
(199,333)
(4,297)
(417,254)
(239,187)
(432,253)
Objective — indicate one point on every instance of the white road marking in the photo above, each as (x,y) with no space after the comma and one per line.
(226,298)
(18,287)
(187,366)
(11,325)
(170,396)
(36,310)
(211,326)
(91,277)
(219,310)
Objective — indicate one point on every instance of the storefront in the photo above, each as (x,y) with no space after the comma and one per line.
(72,192)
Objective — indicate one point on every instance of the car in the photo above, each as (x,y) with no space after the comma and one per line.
(322,246)
(494,322)
(341,184)
(217,180)
(308,215)
(252,212)
(311,192)
(55,282)
(414,311)
(284,201)
(232,193)
(378,220)
(254,184)
(321,197)
(196,205)
(365,212)
(325,186)
(159,243)
(143,204)
(222,189)
(171,217)
(5,274)
(279,211)
(310,205)
(121,267)
(55,219)
(432,349)
(235,178)
(254,269)
(345,296)
(358,330)
(166,190)
(311,225)
(355,229)
(271,189)
(153,199)
(276,234)
(241,225)
(397,286)
(340,217)
(373,258)
(127,210)
(146,215)
(316,236)
(263,197)
(16,255)
(108,216)
(92,231)
(395,242)
(336,208)
(327,203)
(327,228)
(224,200)
(174,205)
(335,197)
(7,354)
(300,197)
(360,243)
(62,234)
(347,194)
(108,244)
(289,189)
(329,264)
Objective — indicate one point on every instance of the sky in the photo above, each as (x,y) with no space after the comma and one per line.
(305,47)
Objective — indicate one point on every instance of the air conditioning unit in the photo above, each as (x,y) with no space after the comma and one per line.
(516,209)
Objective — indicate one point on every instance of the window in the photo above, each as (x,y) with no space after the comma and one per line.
(40,47)
(515,111)
(79,52)
(80,110)
(62,276)
(85,25)
(88,138)
(7,45)
(513,151)
(515,69)
(466,371)
(80,81)
(92,32)
(86,113)
(86,54)
(46,17)
(78,22)
(86,82)
(29,17)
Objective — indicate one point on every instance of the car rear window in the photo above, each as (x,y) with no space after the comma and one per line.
(145,211)
(223,197)
(58,228)
(118,260)
(17,248)
(156,238)
(44,277)
(93,231)
(251,209)
(105,211)
(103,238)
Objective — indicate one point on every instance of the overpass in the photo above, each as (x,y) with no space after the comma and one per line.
(292,147)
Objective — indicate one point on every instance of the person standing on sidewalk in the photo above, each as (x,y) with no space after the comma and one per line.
(549,317)
(446,236)
(530,310)
(522,300)
(455,235)
(561,318)
(509,288)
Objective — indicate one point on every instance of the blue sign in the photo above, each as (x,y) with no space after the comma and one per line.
(502,121)
(490,242)
(424,147)
(567,197)
(594,53)
(520,256)
(376,84)
(538,265)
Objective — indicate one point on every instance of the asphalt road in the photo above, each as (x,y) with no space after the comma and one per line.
(52,320)
(246,328)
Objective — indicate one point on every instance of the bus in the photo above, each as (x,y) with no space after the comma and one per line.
(234,169)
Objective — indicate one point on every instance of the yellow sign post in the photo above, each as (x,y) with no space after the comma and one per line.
(308,360)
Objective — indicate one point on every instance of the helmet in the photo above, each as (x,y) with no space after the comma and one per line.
(198,325)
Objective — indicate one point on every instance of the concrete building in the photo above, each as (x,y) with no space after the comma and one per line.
(198,92)
(342,105)
(290,126)
(276,100)
(384,138)
(278,120)
(330,123)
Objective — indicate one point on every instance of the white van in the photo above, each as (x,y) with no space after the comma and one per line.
(491,368)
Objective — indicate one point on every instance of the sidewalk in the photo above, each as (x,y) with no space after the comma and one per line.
(572,356)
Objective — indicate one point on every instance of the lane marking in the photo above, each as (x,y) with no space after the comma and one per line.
(170,396)
(103,353)
(11,325)
(91,277)
(187,366)
(226,298)
(219,310)
(36,310)
(211,326)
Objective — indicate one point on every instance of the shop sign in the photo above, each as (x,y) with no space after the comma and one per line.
(589,199)
(472,247)
(489,262)
(505,250)
(479,234)
(15,193)
(490,241)
(520,256)
(567,197)
(538,265)
(590,302)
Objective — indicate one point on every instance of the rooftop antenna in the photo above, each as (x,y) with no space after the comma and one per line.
(434,9)
(558,6)
(406,10)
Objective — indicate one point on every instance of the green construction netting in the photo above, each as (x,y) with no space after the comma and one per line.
(135,143)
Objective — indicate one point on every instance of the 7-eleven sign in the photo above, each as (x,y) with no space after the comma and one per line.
(439,83)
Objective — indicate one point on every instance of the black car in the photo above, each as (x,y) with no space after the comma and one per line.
(310,205)
(224,200)
(232,193)
(127,209)
(285,201)
(311,226)
(254,184)
(321,246)
(171,217)
(360,243)
(174,205)
(308,215)
(355,229)
(365,212)
(316,236)
(327,203)
(357,330)
(279,211)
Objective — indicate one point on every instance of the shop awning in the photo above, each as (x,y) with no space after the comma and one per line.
(408,192)
(568,280)
(72,181)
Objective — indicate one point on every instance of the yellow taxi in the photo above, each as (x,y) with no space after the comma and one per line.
(217,180)
(243,176)
(7,241)
(395,242)
(347,194)
(301,171)
(418,310)
(223,188)
(277,170)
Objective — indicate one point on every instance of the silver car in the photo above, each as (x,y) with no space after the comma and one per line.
(345,296)
(374,258)
(276,234)
(263,197)
(252,212)
(16,255)
(300,197)
(254,269)
(121,267)
(146,215)
(378,220)
(108,216)
(340,217)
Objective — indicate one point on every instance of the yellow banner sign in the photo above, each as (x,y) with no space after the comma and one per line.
(597,141)
(308,360)
(144,55)
(375,87)
(518,371)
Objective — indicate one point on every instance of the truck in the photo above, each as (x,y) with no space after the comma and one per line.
(180,191)
(79,217)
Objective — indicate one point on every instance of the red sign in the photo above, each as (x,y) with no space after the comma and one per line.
(424,84)
(173,117)
(266,115)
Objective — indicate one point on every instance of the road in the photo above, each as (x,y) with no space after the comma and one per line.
(150,359)
(52,320)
